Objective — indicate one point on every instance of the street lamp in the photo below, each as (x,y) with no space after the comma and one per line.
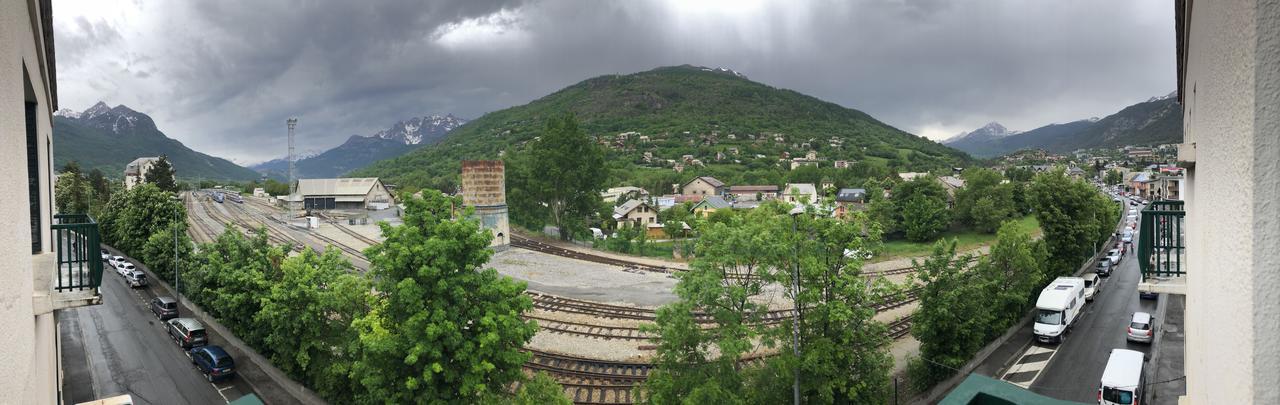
(795,302)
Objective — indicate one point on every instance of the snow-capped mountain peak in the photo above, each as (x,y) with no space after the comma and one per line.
(993,130)
(414,130)
(97,109)
(67,112)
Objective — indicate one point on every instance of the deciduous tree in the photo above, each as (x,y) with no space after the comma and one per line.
(162,175)
(565,174)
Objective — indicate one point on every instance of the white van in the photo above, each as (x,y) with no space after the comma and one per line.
(1091,286)
(1057,308)
(1123,379)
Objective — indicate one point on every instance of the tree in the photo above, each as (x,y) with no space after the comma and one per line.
(162,175)
(921,207)
(674,221)
(306,317)
(953,319)
(1113,177)
(844,350)
(72,193)
(880,209)
(100,185)
(232,275)
(131,217)
(71,167)
(158,250)
(1013,272)
(541,390)
(732,264)
(984,203)
(1075,217)
(565,174)
(442,328)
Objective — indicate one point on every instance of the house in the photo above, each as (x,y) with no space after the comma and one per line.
(710,205)
(341,194)
(849,200)
(753,193)
(635,212)
(840,164)
(613,194)
(136,171)
(951,184)
(798,162)
(1140,184)
(1075,172)
(703,186)
(796,192)
(259,192)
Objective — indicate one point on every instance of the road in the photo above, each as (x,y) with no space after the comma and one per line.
(120,347)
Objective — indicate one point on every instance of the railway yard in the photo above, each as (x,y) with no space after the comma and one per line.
(589,305)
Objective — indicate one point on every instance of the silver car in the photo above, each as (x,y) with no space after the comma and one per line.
(1142,328)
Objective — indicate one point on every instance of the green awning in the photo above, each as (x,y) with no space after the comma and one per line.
(982,390)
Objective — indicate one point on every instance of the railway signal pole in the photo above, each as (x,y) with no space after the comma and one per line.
(293,174)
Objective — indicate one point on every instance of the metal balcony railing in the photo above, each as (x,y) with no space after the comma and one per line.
(75,236)
(1161,239)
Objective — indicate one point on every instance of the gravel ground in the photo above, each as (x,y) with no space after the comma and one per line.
(585,280)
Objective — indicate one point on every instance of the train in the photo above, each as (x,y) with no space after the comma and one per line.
(217,196)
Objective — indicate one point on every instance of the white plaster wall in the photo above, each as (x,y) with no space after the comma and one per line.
(1232,235)
(28,371)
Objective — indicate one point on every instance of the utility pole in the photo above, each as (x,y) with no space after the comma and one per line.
(795,302)
(293,174)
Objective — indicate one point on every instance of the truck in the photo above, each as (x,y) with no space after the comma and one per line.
(1057,308)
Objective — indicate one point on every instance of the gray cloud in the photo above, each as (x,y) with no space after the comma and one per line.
(223,76)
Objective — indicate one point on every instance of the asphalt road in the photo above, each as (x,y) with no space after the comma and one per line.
(120,347)
(1077,368)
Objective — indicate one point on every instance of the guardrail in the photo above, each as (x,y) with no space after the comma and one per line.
(77,241)
(1161,240)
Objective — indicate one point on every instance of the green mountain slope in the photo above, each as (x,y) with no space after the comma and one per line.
(108,138)
(686,110)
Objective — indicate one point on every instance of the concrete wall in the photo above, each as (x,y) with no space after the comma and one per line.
(1229,111)
(28,345)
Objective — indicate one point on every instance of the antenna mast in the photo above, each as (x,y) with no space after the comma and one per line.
(293,174)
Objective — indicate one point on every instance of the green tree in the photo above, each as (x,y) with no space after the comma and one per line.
(1075,216)
(732,264)
(541,390)
(844,350)
(1113,177)
(443,329)
(674,221)
(233,273)
(880,209)
(71,167)
(565,174)
(983,203)
(100,185)
(1012,271)
(921,204)
(306,317)
(162,175)
(131,217)
(72,193)
(954,316)
(158,251)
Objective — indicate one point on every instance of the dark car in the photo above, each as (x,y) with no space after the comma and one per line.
(165,308)
(1104,268)
(213,362)
(187,332)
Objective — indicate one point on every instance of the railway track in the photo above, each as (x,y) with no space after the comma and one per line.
(200,231)
(349,250)
(352,233)
(530,244)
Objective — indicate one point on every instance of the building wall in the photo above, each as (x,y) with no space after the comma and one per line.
(642,215)
(1233,295)
(699,187)
(28,345)
(484,186)
(130,180)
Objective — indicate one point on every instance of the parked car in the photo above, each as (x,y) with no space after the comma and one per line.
(1092,286)
(165,308)
(123,268)
(1124,379)
(187,332)
(113,260)
(1114,256)
(1142,328)
(1148,295)
(213,362)
(106,256)
(1127,236)
(1103,269)
(136,279)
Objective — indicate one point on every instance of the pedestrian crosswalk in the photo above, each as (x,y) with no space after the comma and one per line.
(1029,365)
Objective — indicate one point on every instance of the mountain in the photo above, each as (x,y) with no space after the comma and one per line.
(975,141)
(681,110)
(108,138)
(1155,121)
(359,151)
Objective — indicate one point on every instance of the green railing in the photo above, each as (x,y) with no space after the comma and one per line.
(79,261)
(1161,239)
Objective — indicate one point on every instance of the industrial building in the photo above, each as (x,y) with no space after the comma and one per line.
(136,171)
(366,193)
(484,188)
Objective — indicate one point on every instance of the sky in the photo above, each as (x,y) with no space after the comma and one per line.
(223,76)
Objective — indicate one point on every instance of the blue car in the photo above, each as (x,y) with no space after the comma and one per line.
(213,362)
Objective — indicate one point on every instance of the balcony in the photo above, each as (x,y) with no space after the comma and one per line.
(70,276)
(1162,248)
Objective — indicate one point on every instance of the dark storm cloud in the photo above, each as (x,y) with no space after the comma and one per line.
(223,76)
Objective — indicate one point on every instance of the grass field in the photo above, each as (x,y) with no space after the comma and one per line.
(965,240)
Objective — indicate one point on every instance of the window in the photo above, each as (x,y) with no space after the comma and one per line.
(1048,317)
(1117,396)
(33,177)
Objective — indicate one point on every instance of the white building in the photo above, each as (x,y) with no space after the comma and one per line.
(1229,86)
(136,171)
(341,194)
(29,342)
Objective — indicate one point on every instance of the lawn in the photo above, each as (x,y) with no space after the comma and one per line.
(965,240)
